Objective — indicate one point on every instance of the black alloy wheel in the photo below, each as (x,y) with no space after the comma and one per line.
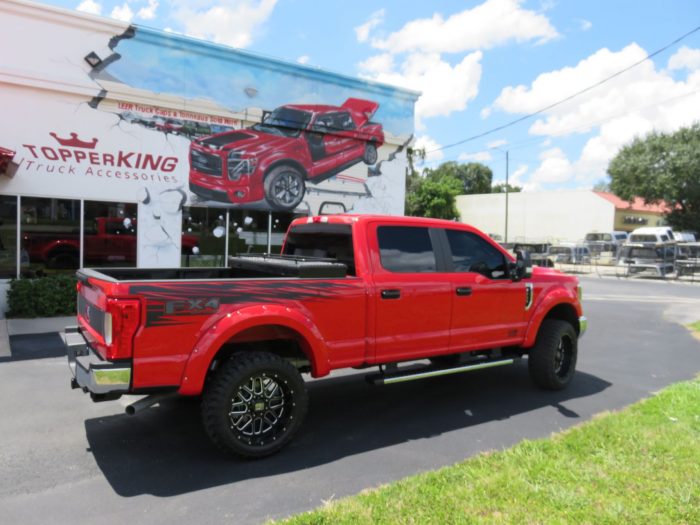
(254,404)
(552,361)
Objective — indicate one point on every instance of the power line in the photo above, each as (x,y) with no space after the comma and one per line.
(566,99)
(527,142)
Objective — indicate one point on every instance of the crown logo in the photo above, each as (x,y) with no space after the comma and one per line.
(74,141)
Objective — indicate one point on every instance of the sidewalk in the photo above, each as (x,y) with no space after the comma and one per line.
(39,325)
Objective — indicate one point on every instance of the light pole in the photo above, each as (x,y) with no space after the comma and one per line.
(505,237)
(505,234)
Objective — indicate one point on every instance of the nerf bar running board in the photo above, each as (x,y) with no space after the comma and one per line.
(388,379)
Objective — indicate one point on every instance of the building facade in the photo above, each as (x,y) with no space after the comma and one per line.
(556,216)
(129,146)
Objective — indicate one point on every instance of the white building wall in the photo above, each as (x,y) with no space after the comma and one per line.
(553,216)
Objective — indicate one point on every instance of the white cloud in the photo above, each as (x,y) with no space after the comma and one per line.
(430,145)
(304,59)
(516,178)
(90,6)
(554,168)
(148,12)
(633,104)
(479,156)
(362,31)
(230,22)
(122,12)
(585,25)
(377,64)
(685,58)
(444,88)
(497,143)
(412,57)
(492,23)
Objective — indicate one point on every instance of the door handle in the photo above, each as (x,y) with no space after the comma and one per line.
(464,290)
(391,294)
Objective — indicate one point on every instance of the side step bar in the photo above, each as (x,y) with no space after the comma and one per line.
(383,378)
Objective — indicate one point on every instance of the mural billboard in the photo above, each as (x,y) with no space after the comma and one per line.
(99,109)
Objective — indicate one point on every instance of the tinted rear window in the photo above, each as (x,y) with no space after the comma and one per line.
(406,249)
(328,241)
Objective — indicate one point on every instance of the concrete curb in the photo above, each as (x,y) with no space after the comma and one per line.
(41,325)
(4,339)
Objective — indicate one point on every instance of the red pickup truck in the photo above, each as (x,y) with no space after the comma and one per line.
(109,241)
(273,159)
(415,297)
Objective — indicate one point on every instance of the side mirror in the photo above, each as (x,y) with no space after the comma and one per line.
(523,266)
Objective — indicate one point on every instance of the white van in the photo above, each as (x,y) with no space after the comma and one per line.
(649,234)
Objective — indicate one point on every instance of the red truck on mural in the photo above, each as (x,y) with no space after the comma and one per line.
(110,241)
(347,291)
(273,159)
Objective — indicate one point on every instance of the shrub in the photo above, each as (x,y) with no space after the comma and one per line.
(42,296)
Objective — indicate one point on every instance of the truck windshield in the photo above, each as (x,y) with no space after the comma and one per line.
(328,241)
(286,122)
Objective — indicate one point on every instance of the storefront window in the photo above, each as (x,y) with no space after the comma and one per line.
(50,235)
(8,237)
(110,234)
(248,232)
(203,236)
(280,225)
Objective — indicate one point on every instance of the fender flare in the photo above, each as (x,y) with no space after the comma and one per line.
(230,324)
(552,299)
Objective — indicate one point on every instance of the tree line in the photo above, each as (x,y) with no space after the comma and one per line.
(432,192)
(659,167)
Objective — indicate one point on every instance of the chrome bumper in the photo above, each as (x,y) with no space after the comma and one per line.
(582,325)
(90,372)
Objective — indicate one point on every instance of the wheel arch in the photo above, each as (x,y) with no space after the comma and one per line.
(280,330)
(61,248)
(286,162)
(563,309)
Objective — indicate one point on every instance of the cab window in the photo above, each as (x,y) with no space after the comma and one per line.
(471,253)
(406,249)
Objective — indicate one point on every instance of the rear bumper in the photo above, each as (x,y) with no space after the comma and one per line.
(90,372)
(582,325)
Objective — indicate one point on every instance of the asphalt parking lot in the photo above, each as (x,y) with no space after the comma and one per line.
(64,459)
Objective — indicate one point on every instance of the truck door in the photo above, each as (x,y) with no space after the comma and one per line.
(412,294)
(488,308)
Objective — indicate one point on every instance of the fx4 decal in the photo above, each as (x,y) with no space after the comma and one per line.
(195,306)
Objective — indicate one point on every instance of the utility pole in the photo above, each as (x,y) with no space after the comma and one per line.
(505,237)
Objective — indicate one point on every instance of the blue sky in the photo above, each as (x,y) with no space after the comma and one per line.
(479,64)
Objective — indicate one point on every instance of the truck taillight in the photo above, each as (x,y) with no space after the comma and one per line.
(121,322)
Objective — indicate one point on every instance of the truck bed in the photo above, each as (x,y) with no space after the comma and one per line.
(248,266)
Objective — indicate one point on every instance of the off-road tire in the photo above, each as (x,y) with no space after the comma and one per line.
(552,361)
(370,155)
(284,188)
(225,407)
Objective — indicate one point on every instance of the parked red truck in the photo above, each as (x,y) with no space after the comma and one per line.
(109,241)
(273,159)
(347,291)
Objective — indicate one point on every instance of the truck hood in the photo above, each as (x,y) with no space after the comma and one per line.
(249,141)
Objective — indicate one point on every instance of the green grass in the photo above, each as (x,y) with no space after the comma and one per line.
(695,327)
(637,466)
